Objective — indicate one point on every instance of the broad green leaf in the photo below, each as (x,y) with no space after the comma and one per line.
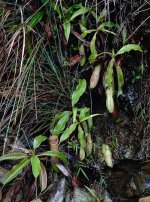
(84,112)
(34,20)
(15,171)
(83,35)
(93,48)
(120,79)
(88,117)
(129,47)
(67,29)
(13,156)
(57,117)
(107,155)
(81,11)
(61,124)
(82,54)
(109,74)
(82,27)
(68,132)
(109,99)
(106,24)
(38,140)
(43,178)
(75,110)
(80,89)
(36,166)
(57,154)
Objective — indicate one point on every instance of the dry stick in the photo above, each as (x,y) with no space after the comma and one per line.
(137,28)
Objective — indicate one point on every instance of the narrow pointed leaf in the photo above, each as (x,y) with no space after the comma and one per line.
(36,166)
(120,79)
(81,11)
(68,132)
(43,178)
(61,124)
(80,89)
(67,29)
(34,20)
(15,171)
(58,154)
(129,47)
(38,140)
(13,156)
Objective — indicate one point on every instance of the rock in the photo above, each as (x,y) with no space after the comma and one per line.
(59,192)
(37,200)
(145,199)
(79,195)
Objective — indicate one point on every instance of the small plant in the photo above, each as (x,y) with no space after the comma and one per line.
(30,157)
(109,75)
(65,123)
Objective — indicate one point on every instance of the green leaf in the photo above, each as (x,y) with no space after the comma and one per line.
(81,11)
(82,27)
(13,156)
(34,20)
(93,48)
(106,24)
(83,35)
(57,154)
(129,47)
(84,112)
(57,117)
(88,117)
(68,132)
(67,29)
(15,171)
(109,74)
(36,166)
(61,124)
(80,89)
(120,79)
(109,99)
(38,140)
